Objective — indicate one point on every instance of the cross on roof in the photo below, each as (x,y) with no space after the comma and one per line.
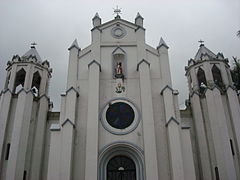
(33,45)
(117,11)
(201,42)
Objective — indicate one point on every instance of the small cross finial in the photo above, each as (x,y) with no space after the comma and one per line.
(117,11)
(201,42)
(33,45)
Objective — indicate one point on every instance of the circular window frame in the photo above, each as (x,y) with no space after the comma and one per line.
(118,28)
(116,131)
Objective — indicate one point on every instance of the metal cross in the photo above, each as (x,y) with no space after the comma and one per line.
(33,45)
(117,11)
(201,42)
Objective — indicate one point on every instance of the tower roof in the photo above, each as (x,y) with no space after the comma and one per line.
(32,53)
(139,16)
(74,44)
(204,51)
(162,43)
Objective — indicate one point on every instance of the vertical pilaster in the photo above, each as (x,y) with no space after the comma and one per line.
(54,153)
(148,121)
(204,157)
(38,143)
(219,131)
(19,141)
(173,133)
(91,164)
(5,104)
(189,170)
(234,108)
(67,134)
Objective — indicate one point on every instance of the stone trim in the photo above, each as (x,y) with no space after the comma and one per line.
(186,127)
(143,60)
(74,46)
(172,119)
(72,88)
(55,127)
(94,61)
(166,87)
(68,120)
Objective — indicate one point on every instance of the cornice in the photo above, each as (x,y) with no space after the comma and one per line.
(170,120)
(68,121)
(142,61)
(94,61)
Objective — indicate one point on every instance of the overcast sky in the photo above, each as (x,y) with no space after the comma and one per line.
(54,24)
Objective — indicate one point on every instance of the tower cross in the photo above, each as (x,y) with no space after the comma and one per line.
(33,44)
(117,11)
(201,42)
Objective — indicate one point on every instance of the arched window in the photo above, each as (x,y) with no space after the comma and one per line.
(217,77)
(121,168)
(36,83)
(202,82)
(19,81)
(7,81)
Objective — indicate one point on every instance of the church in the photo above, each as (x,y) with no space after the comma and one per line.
(119,117)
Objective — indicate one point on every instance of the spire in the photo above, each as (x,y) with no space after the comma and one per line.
(203,51)
(162,43)
(32,53)
(139,20)
(139,16)
(96,16)
(96,20)
(74,44)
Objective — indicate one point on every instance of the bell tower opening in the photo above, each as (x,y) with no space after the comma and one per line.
(20,80)
(217,77)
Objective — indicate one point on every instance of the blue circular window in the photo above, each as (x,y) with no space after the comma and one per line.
(120,115)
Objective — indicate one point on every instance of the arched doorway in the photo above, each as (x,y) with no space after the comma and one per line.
(121,161)
(121,168)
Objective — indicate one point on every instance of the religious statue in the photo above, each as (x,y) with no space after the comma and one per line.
(119,71)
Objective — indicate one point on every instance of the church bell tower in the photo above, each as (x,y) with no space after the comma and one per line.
(24,104)
(216,111)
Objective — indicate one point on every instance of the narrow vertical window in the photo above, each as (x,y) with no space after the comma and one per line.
(231,144)
(7,151)
(217,173)
(24,175)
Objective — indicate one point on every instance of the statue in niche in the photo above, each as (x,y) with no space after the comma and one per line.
(119,71)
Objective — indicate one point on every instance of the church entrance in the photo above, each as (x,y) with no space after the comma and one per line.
(121,168)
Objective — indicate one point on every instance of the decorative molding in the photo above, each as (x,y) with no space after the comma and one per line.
(172,119)
(166,87)
(72,88)
(113,130)
(55,127)
(142,61)
(68,120)
(186,127)
(94,61)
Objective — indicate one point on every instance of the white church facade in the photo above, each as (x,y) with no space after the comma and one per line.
(119,117)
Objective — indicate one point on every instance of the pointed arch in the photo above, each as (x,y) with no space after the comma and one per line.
(217,77)
(36,82)
(7,80)
(202,82)
(119,63)
(19,80)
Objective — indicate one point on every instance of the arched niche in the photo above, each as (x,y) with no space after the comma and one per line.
(119,63)
(217,77)
(19,80)
(7,80)
(202,82)
(36,81)
(121,149)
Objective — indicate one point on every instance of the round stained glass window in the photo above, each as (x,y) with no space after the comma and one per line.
(120,115)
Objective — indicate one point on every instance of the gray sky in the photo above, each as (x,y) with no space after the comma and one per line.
(54,24)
